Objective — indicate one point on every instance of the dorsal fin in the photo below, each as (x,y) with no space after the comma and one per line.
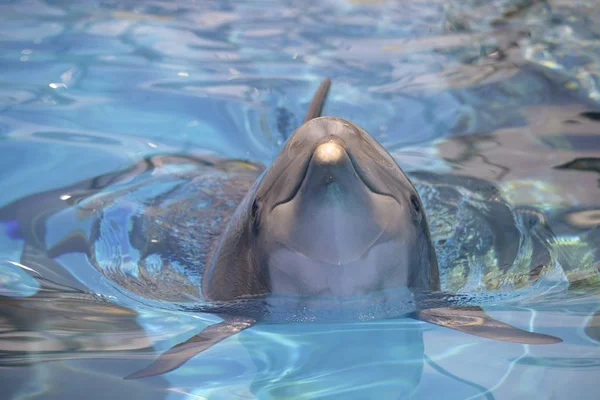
(318,100)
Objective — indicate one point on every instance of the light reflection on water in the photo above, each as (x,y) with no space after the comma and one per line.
(503,91)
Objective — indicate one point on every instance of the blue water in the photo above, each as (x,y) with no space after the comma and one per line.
(503,91)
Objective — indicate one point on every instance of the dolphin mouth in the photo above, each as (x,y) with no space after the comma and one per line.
(365,180)
(298,185)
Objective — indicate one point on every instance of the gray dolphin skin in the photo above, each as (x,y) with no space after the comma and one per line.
(334,216)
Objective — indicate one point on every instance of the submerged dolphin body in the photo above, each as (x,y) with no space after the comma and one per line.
(333,216)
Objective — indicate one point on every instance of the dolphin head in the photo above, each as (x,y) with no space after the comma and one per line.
(335,215)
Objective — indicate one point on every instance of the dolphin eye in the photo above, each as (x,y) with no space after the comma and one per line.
(415,204)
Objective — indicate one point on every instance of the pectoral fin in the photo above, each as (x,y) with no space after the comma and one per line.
(474,321)
(182,352)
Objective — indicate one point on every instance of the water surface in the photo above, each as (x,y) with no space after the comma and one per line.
(496,99)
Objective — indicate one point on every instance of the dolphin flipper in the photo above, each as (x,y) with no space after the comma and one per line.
(474,321)
(182,352)
(318,100)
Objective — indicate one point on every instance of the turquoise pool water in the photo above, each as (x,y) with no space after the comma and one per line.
(463,94)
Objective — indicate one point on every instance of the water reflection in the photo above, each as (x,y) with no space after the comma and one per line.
(562,362)
(592,328)
(563,39)
(381,359)
(583,219)
(591,164)
(234,77)
(77,137)
(368,360)
(61,341)
(62,323)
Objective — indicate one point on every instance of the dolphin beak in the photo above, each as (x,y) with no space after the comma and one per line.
(329,154)
(331,163)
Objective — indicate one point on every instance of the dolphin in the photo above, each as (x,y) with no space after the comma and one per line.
(334,216)
(333,222)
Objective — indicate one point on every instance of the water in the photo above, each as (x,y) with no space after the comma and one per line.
(503,91)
